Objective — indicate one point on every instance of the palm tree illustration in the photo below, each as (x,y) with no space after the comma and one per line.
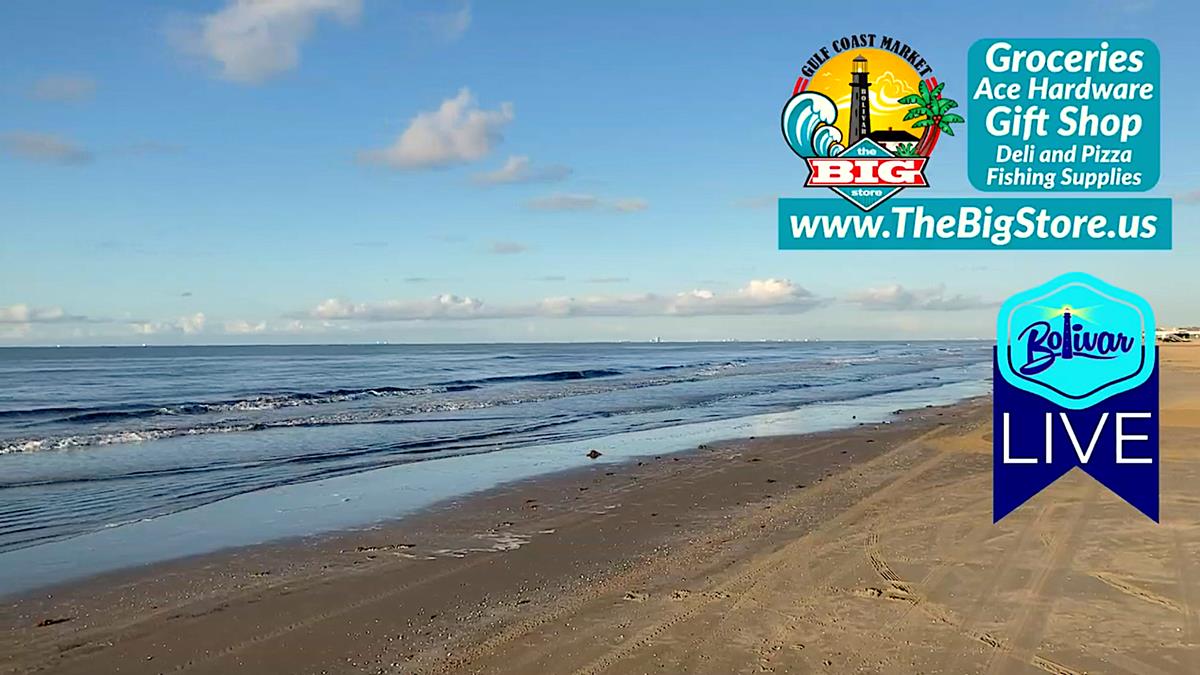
(930,104)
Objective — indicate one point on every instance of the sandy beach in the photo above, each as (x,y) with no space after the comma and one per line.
(865,550)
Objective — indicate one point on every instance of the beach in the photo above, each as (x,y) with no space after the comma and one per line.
(866,549)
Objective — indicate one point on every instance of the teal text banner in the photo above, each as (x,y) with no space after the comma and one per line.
(986,223)
(1063,115)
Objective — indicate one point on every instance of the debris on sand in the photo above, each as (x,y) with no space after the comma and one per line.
(593,453)
(52,621)
(381,548)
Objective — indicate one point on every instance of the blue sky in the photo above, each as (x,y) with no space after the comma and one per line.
(279,171)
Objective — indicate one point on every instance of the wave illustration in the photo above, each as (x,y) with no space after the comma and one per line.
(808,127)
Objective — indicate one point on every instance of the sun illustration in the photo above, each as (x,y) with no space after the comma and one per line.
(891,79)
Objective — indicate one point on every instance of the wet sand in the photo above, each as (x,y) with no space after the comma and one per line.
(869,550)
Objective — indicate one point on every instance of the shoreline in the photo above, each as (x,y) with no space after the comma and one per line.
(378,496)
(451,507)
(866,549)
(455,533)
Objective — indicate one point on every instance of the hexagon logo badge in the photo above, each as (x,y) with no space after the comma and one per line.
(1075,340)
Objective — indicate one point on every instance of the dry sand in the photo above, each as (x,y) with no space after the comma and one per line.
(870,550)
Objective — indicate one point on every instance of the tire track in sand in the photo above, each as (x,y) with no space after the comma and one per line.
(1185,577)
(577,600)
(904,591)
(783,559)
(1031,623)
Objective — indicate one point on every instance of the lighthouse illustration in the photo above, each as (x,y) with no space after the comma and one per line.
(1068,350)
(860,101)
(854,118)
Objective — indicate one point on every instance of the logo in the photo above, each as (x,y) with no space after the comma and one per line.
(865,115)
(1075,385)
(1076,340)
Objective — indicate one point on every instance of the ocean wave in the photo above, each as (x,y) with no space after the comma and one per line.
(267,401)
(81,441)
(114,438)
(393,415)
(717,369)
(277,400)
(259,402)
(853,361)
(163,422)
(548,376)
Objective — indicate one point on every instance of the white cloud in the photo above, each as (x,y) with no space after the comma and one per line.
(560,201)
(63,88)
(49,148)
(440,307)
(192,324)
(254,40)
(519,169)
(18,331)
(459,131)
(897,297)
(564,202)
(630,205)
(451,25)
(507,247)
(759,296)
(187,325)
(243,327)
(24,314)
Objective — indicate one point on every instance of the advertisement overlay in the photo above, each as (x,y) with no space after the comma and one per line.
(1075,382)
(1073,115)
(1061,135)
(1053,119)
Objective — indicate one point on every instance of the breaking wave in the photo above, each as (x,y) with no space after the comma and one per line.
(257,402)
(277,400)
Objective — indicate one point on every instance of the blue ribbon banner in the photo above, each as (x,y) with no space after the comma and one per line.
(1037,442)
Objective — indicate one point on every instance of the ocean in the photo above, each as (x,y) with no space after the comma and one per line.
(126,447)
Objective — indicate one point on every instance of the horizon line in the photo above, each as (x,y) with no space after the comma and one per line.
(388,343)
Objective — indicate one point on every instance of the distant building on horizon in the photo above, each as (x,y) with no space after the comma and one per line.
(1184,334)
